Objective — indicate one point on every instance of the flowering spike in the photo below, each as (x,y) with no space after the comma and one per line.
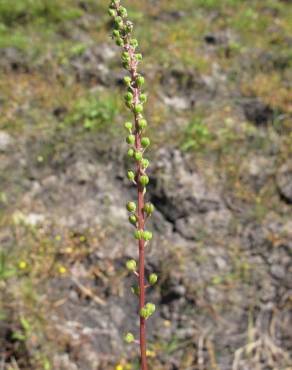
(135,98)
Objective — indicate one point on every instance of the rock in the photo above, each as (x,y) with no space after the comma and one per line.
(179,192)
(278,271)
(213,223)
(90,66)
(284,182)
(6,141)
(13,59)
(258,112)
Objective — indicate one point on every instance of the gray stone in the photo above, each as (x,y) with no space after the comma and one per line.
(6,141)
(284,182)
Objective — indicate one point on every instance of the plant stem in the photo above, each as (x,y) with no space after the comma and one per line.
(141,245)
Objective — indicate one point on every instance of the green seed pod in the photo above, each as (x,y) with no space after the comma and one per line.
(135,289)
(131,265)
(147,235)
(116,33)
(125,56)
(111,13)
(153,279)
(119,41)
(148,208)
(123,11)
(127,80)
(131,139)
(145,163)
(144,180)
(129,27)
(118,22)
(144,313)
(138,234)
(131,152)
(129,338)
(134,43)
(126,65)
(128,126)
(128,97)
(142,124)
(131,206)
(150,307)
(138,156)
(140,81)
(138,108)
(133,219)
(131,175)
(139,57)
(143,98)
(145,141)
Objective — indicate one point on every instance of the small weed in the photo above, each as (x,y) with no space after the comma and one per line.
(93,113)
(196,136)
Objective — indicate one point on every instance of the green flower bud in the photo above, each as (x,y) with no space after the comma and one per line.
(125,56)
(119,41)
(144,180)
(131,265)
(138,108)
(123,11)
(145,141)
(129,27)
(143,98)
(138,156)
(133,219)
(111,13)
(140,81)
(130,139)
(134,43)
(127,80)
(153,279)
(131,175)
(150,307)
(128,126)
(139,57)
(138,234)
(142,124)
(135,289)
(116,33)
(144,313)
(145,163)
(125,64)
(148,208)
(118,22)
(131,206)
(129,97)
(147,235)
(131,152)
(129,338)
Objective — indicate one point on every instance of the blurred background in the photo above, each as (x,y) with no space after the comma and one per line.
(220,103)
